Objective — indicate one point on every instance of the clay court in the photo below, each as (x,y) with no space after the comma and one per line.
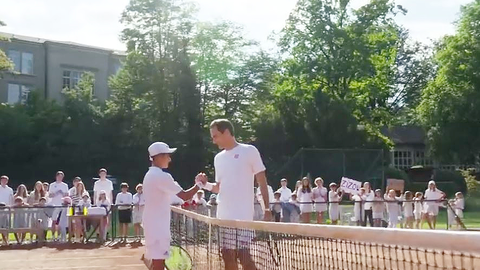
(72,256)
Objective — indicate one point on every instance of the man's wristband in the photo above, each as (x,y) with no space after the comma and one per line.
(208,186)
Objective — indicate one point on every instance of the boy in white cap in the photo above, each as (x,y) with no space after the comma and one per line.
(158,189)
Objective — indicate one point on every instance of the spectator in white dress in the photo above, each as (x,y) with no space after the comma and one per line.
(22,193)
(418,208)
(37,193)
(433,197)
(378,208)
(408,206)
(393,207)
(334,198)
(358,199)
(320,196)
(459,206)
(305,198)
(138,207)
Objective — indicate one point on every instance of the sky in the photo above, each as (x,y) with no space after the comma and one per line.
(96,22)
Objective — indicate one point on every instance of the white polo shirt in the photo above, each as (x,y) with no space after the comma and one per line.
(235,170)
(433,195)
(158,190)
(6,195)
(58,190)
(286,193)
(106,185)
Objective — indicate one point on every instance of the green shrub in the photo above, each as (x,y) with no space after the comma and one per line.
(450,182)
(395,173)
(473,186)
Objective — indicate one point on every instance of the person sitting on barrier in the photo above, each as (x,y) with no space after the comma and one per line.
(295,212)
(42,217)
(20,218)
(276,206)
(4,221)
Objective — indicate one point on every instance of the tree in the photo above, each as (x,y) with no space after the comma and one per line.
(5,63)
(155,96)
(219,51)
(449,109)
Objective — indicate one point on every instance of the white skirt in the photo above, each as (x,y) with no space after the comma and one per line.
(418,215)
(320,207)
(306,208)
(137,215)
(377,215)
(459,212)
(333,212)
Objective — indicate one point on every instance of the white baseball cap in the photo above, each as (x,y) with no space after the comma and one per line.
(158,148)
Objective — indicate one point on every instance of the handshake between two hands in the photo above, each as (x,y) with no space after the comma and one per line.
(201,180)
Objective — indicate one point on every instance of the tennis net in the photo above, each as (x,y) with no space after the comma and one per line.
(303,246)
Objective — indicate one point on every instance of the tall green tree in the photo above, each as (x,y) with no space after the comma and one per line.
(450,107)
(155,96)
(5,63)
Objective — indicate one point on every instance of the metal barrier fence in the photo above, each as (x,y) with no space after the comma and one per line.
(34,224)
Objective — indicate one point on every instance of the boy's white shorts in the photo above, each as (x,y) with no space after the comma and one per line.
(157,249)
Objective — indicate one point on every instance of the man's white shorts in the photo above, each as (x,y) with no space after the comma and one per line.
(236,239)
(157,249)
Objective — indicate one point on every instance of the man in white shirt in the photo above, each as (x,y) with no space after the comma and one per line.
(6,192)
(285,194)
(102,184)
(57,191)
(158,188)
(6,198)
(236,168)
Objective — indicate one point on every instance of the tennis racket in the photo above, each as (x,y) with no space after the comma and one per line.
(179,259)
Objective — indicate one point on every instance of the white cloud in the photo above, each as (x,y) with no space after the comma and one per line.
(96,22)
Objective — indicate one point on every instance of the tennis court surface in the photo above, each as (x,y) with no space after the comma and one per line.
(72,257)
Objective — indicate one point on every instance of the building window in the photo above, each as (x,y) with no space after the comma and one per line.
(422,159)
(22,61)
(18,93)
(71,78)
(402,159)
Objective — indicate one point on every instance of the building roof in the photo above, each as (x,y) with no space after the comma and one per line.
(67,43)
(405,134)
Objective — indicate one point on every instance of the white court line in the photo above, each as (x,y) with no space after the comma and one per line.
(70,258)
(85,266)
